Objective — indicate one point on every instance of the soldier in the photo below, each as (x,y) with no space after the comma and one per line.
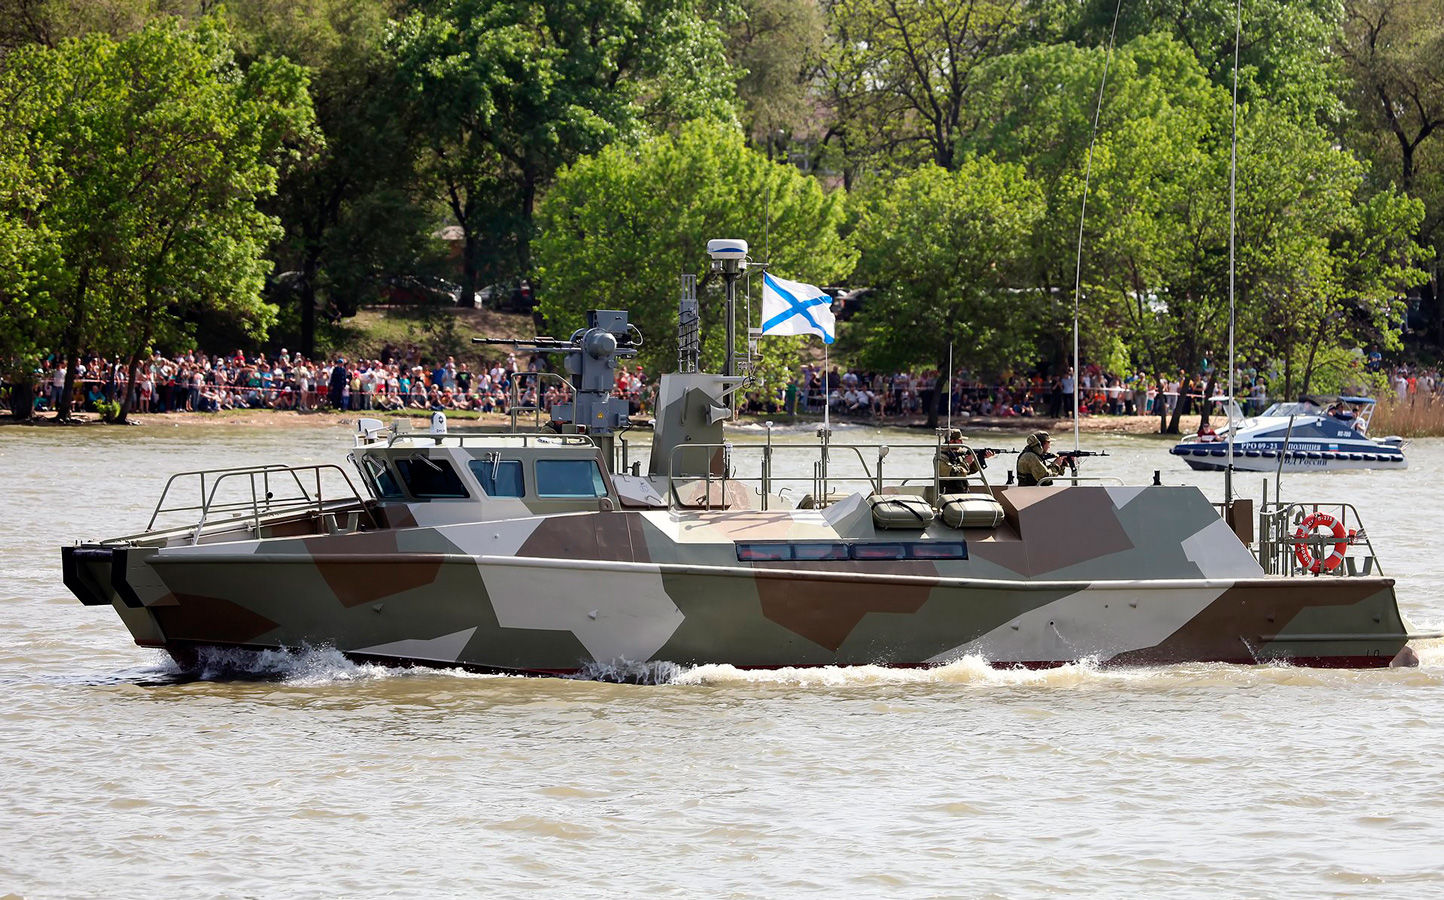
(1034,466)
(956,463)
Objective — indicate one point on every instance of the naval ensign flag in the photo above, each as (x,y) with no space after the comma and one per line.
(790,307)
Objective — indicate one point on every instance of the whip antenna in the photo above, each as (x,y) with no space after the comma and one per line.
(1082,215)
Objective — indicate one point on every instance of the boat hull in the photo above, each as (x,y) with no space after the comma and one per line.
(554,616)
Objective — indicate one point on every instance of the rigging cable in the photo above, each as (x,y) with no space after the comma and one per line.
(1082,215)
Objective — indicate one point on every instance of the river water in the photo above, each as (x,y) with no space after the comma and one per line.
(321,777)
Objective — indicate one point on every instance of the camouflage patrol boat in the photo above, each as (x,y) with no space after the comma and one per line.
(547,552)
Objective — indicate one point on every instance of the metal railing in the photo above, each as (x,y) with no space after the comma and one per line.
(823,477)
(1279,540)
(515,406)
(525,438)
(274,491)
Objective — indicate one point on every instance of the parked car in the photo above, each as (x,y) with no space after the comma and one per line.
(507,296)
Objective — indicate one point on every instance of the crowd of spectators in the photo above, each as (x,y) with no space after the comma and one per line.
(398,381)
(402,380)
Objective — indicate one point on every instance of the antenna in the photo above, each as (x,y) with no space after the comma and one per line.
(1082,215)
(689,326)
(1232,237)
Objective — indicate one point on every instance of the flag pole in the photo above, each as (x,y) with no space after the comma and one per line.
(826,391)
(950,385)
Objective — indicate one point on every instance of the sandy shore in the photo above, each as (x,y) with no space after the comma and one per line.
(266,418)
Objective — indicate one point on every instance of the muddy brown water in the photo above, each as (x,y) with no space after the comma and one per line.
(304,774)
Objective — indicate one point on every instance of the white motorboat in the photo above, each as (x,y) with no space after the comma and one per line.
(1316,433)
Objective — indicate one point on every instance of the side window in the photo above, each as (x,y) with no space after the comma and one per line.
(569,478)
(429,479)
(386,486)
(507,481)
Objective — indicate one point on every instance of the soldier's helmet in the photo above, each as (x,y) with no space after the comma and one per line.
(1037,438)
(955,435)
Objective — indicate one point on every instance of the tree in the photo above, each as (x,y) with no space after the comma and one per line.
(775,46)
(508,91)
(900,76)
(1153,215)
(350,201)
(945,253)
(1285,49)
(620,226)
(1394,55)
(164,148)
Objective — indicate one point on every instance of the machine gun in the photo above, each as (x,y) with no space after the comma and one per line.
(590,362)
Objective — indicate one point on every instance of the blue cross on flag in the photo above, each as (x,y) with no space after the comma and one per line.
(790,307)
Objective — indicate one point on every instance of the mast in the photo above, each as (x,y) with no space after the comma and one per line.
(729,258)
(1232,238)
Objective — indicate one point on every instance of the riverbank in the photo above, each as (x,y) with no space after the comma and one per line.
(270,418)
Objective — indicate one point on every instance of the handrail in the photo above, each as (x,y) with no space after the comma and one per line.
(515,405)
(202,473)
(1277,547)
(526,437)
(263,502)
(820,478)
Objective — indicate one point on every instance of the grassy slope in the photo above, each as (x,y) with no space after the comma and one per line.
(434,332)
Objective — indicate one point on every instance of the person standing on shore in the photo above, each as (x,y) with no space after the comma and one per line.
(338,381)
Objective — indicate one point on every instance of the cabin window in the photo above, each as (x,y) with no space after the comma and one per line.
(499,479)
(430,479)
(569,478)
(382,479)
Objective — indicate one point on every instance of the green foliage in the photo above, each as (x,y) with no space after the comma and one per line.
(109,410)
(775,45)
(154,151)
(621,226)
(507,91)
(947,255)
(900,75)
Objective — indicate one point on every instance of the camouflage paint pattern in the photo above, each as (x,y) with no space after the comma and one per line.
(1120,575)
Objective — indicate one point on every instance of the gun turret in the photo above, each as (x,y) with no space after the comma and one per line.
(590,361)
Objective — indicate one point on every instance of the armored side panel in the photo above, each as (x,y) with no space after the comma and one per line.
(690,412)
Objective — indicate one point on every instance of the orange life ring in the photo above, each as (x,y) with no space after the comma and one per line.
(1306,556)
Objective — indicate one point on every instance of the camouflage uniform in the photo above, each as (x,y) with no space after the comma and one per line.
(955,464)
(1033,469)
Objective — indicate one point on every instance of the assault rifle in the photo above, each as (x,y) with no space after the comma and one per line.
(1070,458)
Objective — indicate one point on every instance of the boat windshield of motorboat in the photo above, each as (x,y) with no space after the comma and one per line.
(1314,433)
(552,551)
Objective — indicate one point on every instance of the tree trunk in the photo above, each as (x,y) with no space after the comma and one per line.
(72,344)
(469,250)
(1160,406)
(132,385)
(1309,364)
(1181,408)
(308,304)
